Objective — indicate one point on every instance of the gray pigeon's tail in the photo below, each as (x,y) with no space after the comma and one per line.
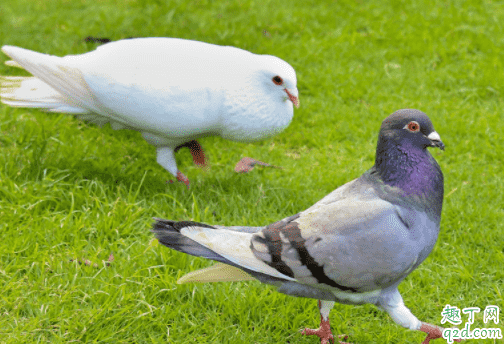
(168,234)
(174,235)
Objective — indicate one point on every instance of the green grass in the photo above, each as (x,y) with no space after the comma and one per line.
(73,191)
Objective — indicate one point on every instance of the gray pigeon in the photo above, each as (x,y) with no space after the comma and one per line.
(354,246)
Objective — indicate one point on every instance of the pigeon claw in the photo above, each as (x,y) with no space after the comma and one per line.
(182,178)
(433,332)
(247,164)
(324,333)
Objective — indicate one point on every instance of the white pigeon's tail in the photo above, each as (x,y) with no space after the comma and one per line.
(31,92)
(55,86)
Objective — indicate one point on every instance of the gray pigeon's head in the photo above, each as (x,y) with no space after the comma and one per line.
(410,125)
(404,163)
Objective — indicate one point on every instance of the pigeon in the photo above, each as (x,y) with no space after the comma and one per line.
(354,246)
(171,90)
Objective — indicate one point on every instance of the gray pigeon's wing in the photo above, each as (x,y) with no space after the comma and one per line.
(351,240)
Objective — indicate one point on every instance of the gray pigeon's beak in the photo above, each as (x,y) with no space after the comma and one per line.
(293,96)
(436,140)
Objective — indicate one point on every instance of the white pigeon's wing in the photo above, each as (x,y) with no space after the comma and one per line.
(163,86)
(167,86)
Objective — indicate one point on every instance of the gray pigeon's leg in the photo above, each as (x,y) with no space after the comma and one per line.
(324,331)
(433,332)
(166,158)
(392,302)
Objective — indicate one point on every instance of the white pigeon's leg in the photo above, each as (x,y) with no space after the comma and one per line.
(166,158)
(324,331)
(197,153)
(393,304)
(166,155)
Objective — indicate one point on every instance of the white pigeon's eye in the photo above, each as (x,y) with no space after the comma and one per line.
(277,80)
(413,126)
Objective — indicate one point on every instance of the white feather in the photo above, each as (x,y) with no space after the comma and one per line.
(216,273)
(11,63)
(232,245)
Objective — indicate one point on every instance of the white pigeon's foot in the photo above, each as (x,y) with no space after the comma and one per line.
(197,153)
(247,164)
(433,332)
(181,178)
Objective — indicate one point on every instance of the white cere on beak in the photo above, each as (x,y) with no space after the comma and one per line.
(434,136)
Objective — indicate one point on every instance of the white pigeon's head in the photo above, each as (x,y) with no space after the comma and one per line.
(261,95)
(279,78)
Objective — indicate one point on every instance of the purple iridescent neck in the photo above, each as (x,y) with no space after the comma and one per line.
(411,168)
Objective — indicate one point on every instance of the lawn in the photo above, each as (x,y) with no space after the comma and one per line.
(71,191)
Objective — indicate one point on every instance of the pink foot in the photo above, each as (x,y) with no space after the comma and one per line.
(247,164)
(433,332)
(196,152)
(324,331)
(181,178)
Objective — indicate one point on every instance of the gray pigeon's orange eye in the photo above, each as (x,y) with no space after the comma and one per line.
(277,80)
(413,126)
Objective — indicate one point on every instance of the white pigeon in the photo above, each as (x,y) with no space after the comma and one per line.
(171,90)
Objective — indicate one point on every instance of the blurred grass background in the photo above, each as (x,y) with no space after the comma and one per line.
(73,191)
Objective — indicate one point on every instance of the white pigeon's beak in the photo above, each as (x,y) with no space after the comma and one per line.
(436,140)
(293,96)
